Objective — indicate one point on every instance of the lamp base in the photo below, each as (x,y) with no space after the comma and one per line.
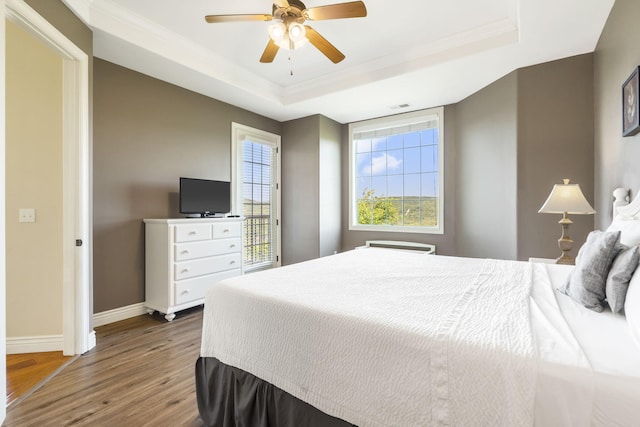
(565,259)
(565,243)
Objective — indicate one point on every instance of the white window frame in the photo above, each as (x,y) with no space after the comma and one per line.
(387,122)
(238,134)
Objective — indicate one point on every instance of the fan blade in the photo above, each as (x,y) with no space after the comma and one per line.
(269,52)
(323,45)
(214,19)
(354,9)
(281,3)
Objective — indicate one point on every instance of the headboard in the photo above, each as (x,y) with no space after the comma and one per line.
(622,206)
(620,199)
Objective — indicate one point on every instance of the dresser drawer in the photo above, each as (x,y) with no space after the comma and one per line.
(192,233)
(194,250)
(194,289)
(202,266)
(227,229)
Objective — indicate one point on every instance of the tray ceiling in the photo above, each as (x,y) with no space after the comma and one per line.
(414,53)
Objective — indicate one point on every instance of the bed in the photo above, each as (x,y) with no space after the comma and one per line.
(379,337)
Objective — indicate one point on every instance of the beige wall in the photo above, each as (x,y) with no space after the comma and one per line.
(33,180)
(147,134)
(616,158)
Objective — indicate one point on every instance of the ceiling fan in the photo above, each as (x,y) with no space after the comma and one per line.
(290,33)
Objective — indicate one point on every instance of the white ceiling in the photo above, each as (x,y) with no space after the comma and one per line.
(424,53)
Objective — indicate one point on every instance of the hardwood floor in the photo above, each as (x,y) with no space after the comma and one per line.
(27,371)
(140,373)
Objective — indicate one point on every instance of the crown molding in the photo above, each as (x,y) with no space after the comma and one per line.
(492,35)
(110,18)
(116,21)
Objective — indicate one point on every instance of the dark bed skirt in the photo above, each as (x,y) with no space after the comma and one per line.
(230,397)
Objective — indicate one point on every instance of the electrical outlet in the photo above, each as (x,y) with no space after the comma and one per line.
(27,215)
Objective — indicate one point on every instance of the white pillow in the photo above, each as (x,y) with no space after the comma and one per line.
(632,307)
(629,228)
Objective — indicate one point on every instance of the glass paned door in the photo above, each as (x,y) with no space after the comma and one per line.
(258,161)
(255,175)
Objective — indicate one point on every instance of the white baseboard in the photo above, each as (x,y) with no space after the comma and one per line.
(35,344)
(91,339)
(117,314)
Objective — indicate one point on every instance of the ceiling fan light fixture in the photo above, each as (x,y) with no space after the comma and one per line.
(288,36)
(277,32)
(289,31)
(296,32)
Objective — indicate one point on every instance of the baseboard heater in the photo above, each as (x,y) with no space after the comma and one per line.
(409,246)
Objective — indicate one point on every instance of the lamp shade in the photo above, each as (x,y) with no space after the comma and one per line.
(567,198)
(277,31)
(288,36)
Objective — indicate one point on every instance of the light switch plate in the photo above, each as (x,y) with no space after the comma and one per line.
(27,215)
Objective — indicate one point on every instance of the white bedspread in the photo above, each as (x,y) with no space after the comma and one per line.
(378,337)
(589,366)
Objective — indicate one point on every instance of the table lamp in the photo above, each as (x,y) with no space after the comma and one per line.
(566,199)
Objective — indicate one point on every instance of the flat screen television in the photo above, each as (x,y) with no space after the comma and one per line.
(204,197)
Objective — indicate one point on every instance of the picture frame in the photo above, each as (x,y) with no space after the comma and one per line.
(631,104)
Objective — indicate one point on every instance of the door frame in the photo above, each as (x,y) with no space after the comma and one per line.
(78,334)
(238,133)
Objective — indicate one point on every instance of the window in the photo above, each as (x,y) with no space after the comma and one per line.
(396,173)
(256,192)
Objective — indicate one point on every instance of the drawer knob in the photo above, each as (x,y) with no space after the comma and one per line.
(232,246)
(226,230)
(185,292)
(191,233)
(186,251)
(232,262)
(185,270)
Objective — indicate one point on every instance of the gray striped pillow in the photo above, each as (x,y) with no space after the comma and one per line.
(587,282)
(619,277)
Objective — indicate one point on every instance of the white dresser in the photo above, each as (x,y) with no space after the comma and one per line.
(185,257)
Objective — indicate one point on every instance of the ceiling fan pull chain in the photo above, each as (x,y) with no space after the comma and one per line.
(291,58)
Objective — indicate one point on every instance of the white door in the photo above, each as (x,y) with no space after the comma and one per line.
(256,194)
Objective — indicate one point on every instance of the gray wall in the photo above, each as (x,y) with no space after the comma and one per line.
(445,243)
(486,172)
(310,188)
(516,139)
(148,133)
(555,141)
(330,207)
(300,178)
(505,148)
(616,158)
(61,17)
